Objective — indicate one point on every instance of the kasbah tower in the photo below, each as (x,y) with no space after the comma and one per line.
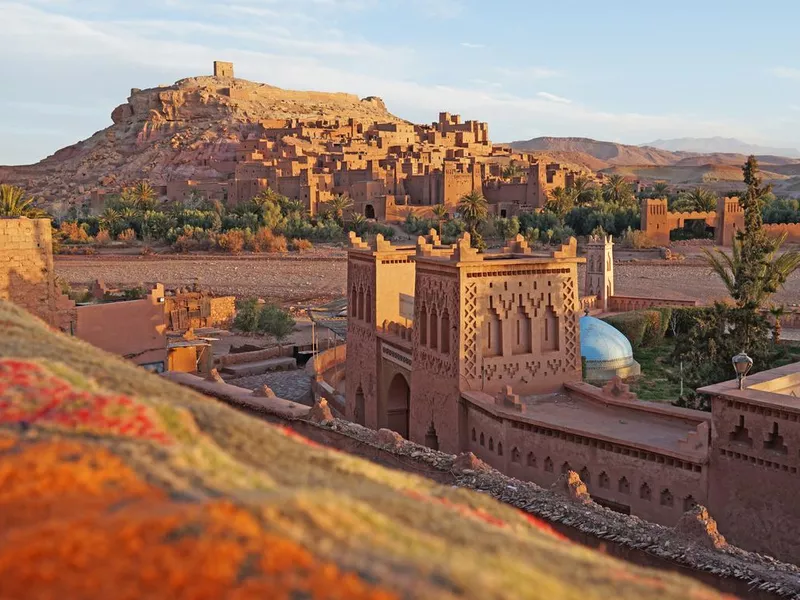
(430,322)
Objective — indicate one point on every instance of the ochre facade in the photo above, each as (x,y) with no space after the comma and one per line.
(462,351)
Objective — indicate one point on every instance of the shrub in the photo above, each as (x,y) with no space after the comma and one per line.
(127,235)
(231,241)
(631,324)
(74,233)
(653,334)
(300,245)
(266,241)
(275,321)
(185,243)
(666,317)
(636,239)
(683,320)
(103,238)
(247,315)
(386,231)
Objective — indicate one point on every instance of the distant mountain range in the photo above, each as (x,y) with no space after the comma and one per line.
(719,145)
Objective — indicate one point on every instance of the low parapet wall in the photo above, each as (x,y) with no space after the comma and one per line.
(240,358)
(326,370)
(627,303)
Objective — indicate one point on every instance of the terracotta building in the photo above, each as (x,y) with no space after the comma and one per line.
(462,351)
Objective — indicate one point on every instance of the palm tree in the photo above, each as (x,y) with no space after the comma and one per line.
(359,223)
(617,191)
(144,196)
(777,312)
(699,199)
(337,205)
(561,200)
(13,203)
(581,188)
(513,170)
(110,220)
(440,213)
(474,209)
(734,271)
(660,189)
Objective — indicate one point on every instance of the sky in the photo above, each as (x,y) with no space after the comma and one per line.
(629,71)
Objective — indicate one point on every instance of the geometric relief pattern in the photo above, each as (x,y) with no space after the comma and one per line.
(571,342)
(470,324)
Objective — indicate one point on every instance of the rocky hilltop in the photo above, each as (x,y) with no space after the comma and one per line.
(165,133)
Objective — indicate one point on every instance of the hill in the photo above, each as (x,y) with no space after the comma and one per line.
(177,131)
(719,145)
(610,153)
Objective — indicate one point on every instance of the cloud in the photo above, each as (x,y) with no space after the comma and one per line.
(98,58)
(526,73)
(554,98)
(472,45)
(785,72)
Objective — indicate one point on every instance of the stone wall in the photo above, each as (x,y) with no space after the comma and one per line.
(628,303)
(26,271)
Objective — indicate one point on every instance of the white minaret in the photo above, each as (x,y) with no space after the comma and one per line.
(600,270)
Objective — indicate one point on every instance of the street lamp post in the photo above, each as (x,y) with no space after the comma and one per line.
(742,364)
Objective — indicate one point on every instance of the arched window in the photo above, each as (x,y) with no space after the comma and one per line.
(361,305)
(644,492)
(624,487)
(474,435)
(482,443)
(368,307)
(586,477)
(565,468)
(444,335)
(666,498)
(500,448)
(531,459)
(548,464)
(491,443)
(604,480)
(516,456)
(689,503)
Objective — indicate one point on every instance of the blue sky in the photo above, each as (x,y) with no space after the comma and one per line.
(623,70)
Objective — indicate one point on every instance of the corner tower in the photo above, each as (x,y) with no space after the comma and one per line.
(487,321)
(599,279)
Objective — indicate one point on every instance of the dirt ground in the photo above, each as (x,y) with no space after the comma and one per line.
(320,275)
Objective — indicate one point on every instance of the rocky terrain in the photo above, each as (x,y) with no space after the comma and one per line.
(177,132)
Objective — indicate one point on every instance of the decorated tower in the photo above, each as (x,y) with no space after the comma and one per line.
(600,270)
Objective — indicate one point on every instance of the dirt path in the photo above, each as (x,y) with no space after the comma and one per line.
(321,275)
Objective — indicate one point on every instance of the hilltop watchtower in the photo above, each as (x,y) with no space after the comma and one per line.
(223,69)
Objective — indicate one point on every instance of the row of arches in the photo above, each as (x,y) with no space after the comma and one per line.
(434,328)
(623,486)
(360,304)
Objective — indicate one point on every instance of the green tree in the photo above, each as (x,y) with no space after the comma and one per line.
(560,201)
(276,322)
(583,189)
(699,199)
(337,206)
(777,313)
(618,191)
(513,170)
(144,196)
(247,315)
(441,214)
(660,189)
(111,220)
(14,203)
(358,223)
(474,210)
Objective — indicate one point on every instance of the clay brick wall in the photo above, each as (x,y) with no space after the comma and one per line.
(134,329)
(653,486)
(223,69)
(754,483)
(628,303)
(26,271)
(792,230)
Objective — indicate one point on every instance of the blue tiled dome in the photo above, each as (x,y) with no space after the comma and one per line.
(603,344)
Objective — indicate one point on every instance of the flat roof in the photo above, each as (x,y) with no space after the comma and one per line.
(626,426)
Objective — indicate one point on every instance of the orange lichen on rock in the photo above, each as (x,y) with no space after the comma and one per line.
(168,550)
(30,394)
(54,479)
